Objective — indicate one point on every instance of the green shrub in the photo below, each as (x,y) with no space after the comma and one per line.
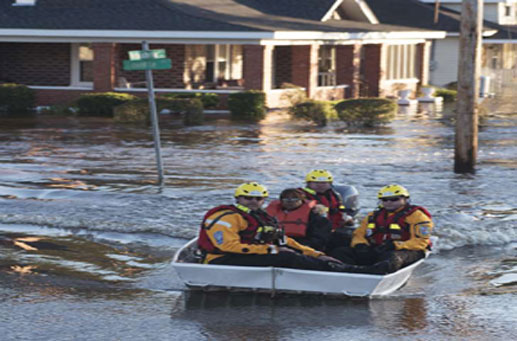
(452,86)
(209,100)
(448,95)
(247,106)
(138,111)
(102,103)
(319,112)
(16,99)
(132,112)
(367,112)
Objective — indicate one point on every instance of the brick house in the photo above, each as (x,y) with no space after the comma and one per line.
(331,48)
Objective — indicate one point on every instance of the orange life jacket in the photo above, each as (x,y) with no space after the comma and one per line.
(382,226)
(254,220)
(293,222)
(335,205)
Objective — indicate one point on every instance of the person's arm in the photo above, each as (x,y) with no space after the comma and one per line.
(318,231)
(420,228)
(359,235)
(224,234)
(306,250)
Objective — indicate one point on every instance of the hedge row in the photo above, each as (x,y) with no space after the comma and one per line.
(367,112)
(16,99)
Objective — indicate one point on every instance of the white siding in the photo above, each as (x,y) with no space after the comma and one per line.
(445,61)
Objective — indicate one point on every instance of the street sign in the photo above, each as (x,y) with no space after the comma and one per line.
(147,54)
(147,64)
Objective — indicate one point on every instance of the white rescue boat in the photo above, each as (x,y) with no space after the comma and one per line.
(283,280)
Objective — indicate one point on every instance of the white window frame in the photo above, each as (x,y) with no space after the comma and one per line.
(327,78)
(401,62)
(75,68)
(228,58)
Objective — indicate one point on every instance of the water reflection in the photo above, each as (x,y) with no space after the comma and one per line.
(285,316)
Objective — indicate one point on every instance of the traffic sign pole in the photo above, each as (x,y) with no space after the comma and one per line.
(154,118)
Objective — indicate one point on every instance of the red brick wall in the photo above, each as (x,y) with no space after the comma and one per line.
(348,61)
(305,67)
(35,63)
(172,78)
(371,69)
(50,97)
(283,60)
(253,64)
(103,66)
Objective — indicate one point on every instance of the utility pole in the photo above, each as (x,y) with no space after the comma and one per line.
(469,66)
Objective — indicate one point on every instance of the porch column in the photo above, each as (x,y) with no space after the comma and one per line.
(305,67)
(103,66)
(348,61)
(257,67)
(374,69)
(423,55)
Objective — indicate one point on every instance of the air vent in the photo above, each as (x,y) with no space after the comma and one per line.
(24,2)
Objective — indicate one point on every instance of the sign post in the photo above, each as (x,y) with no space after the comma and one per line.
(149,60)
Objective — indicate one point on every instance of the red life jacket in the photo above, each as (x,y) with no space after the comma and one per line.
(293,222)
(335,205)
(382,227)
(254,220)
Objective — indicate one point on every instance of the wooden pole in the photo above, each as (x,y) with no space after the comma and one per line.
(469,64)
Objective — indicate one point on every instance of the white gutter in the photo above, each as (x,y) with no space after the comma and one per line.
(487,33)
(26,35)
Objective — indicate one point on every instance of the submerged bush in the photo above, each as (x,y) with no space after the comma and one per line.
(319,112)
(16,99)
(247,106)
(209,100)
(447,94)
(367,112)
(102,103)
(138,111)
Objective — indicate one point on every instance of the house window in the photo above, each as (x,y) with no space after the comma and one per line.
(223,62)
(327,66)
(401,62)
(508,10)
(82,65)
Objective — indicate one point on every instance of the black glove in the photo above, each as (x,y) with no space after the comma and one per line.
(387,246)
(361,248)
(363,254)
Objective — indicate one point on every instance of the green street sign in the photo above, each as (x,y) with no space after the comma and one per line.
(147,54)
(147,64)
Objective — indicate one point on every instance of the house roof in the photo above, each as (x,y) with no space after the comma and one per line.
(306,9)
(417,14)
(172,18)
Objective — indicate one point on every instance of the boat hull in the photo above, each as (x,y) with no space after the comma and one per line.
(273,279)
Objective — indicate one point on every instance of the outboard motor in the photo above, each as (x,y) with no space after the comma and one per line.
(350,197)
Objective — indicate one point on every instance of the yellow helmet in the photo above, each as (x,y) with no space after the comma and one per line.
(319,175)
(252,189)
(392,190)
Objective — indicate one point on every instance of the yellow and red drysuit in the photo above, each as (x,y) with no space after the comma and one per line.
(409,227)
(234,228)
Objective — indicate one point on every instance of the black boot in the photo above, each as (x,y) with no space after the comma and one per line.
(343,267)
(380,268)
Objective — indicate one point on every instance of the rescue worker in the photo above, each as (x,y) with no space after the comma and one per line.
(303,220)
(391,237)
(319,188)
(244,234)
